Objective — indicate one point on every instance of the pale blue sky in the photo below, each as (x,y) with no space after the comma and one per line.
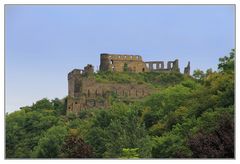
(45,42)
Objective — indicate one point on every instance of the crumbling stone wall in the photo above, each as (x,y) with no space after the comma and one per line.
(84,92)
(158,66)
(134,63)
(117,63)
(187,69)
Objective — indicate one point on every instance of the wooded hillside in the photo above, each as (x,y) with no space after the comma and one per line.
(189,117)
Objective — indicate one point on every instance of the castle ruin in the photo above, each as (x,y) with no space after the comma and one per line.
(84,92)
(134,63)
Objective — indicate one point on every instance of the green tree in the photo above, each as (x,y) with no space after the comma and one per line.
(170,146)
(198,74)
(60,106)
(209,72)
(43,104)
(102,119)
(14,132)
(131,136)
(49,145)
(24,129)
(150,118)
(130,153)
(227,63)
(97,138)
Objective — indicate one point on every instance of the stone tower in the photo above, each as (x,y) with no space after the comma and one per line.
(80,89)
(88,70)
(187,69)
(121,63)
(74,89)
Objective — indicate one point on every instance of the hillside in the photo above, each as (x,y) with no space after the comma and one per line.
(188,117)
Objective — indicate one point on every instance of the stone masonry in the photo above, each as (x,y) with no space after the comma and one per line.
(84,92)
(134,63)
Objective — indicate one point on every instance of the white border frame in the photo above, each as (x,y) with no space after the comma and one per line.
(2,66)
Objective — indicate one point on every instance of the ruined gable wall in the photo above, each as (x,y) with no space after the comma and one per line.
(160,66)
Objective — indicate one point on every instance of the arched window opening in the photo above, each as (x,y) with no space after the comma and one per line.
(111,61)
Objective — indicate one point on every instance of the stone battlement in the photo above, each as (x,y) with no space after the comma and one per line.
(121,57)
(88,70)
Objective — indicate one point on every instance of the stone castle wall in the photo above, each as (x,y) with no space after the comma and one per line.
(116,63)
(134,63)
(85,92)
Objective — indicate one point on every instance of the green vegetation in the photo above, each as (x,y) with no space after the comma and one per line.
(190,117)
(154,79)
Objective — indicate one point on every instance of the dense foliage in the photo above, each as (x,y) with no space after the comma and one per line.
(190,117)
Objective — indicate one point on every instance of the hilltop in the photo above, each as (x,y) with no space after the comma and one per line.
(186,117)
(126,77)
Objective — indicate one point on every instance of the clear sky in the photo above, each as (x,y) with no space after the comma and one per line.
(45,42)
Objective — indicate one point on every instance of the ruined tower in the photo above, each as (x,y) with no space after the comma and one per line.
(122,62)
(88,70)
(82,90)
(187,69)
